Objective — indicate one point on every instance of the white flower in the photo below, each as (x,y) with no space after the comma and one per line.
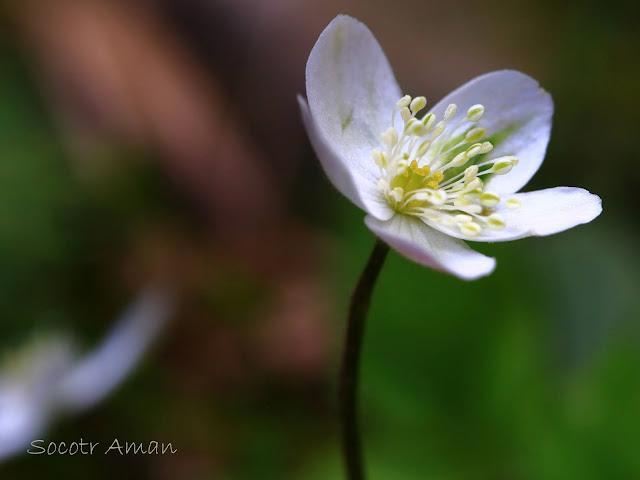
(429,182)
(46,380)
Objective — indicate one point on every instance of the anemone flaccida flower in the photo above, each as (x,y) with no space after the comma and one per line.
(429,181)
(48,378)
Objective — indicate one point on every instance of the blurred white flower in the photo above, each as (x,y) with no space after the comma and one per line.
(427,183)
(47,379)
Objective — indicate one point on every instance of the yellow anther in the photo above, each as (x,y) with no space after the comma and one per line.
(450,111)
(428,121)
(403,102)
(437,176)
(405,113)
(473,208)
(489,199)
(502,168)
(418,104)
(496,222)
(473,150)
(475,113)
(379,158)
(513,203)
(438,197)
(486,147)
(475,134)
(470,228)
(472,194)
(423,148)
(432,184)
(397,194)
(439,128)
(471,171)
(459,160)
(473,184)
(418,129)
(390,137)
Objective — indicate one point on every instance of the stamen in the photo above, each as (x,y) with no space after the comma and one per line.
(418,104)
(470,228)
(475,113)
(489,199)
(496,222)
(403,102)
(512,203)
(475,134)
(405,113)
(413,168)
(450,112)
(390,137)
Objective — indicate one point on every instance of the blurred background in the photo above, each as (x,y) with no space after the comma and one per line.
(160,140)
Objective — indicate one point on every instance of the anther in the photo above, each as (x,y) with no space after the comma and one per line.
(450,112)
(438,197)
(418,104)
(470,228)
(489,199)
(428,121)
(496,222)
(405,113)
(486,147)
(471,171)
(390,137)
(473,150)
(502,168)
(423,148)
(378,158)
(439,128)
(512,203)
(459,160)
(397,193)
(475,113)
(473,184)
(475,134)
(403,102)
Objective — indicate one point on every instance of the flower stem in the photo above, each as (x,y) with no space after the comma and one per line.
(347,389)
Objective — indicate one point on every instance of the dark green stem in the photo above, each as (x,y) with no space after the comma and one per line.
(348,386)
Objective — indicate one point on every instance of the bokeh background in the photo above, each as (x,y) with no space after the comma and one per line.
(160,140)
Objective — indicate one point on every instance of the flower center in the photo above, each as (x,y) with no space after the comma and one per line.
(433,175)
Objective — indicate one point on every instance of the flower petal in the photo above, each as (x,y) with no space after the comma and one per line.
(543,212)
(97,375)
(351,92)
(517,119)
(357,188)
(426,246)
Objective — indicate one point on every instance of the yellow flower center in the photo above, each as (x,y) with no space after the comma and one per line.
(432,169)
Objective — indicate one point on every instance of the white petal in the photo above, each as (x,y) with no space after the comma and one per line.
(515,105)
(426,246)
(543,212)
(28,393)
(351,92)
(103,370)
(361,190)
